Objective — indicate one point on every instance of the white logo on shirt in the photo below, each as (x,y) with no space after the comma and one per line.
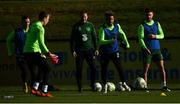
(84,37)
(88,29)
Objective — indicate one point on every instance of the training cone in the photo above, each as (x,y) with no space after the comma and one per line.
(163,94)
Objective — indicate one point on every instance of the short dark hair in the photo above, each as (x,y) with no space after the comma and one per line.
(83,12)
(109,13)
(24,17)
(147,10)
(42,15)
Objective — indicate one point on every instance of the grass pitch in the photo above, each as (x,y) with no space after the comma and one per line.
(69,94)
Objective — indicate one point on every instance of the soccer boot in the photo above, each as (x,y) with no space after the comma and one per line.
(25,88)
(47,94)
(35,92)
(120,87)
(146,89)
(165,88)
(126,86)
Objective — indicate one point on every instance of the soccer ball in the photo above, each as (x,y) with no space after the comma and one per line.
(111,86)
(139,83)
(119,87)
(97,87)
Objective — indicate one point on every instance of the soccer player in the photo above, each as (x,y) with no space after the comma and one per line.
(109,34)
(149,33)
(18,37)
(84,46)
(34,49)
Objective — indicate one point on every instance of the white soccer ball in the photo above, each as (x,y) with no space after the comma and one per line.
(111,86)
(97,87)
(139,83)
(119,87)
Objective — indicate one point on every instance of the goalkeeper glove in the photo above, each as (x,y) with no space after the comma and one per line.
(53,57)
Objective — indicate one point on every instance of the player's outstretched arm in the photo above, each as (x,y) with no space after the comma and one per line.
(122,35)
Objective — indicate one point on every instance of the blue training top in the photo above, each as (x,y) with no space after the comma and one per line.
(110,34)
(20,37)
(152,44)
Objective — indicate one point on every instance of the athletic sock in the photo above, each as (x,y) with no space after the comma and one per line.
(36,85)
(45,88)
(163,84)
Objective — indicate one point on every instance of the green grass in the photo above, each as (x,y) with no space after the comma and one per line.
(68,94)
